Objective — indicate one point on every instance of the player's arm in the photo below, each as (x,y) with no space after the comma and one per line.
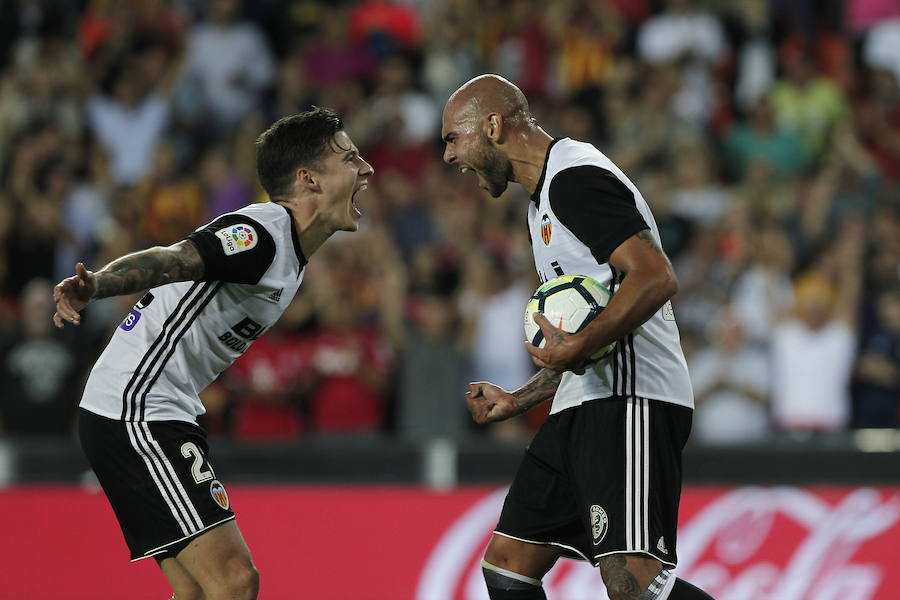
(489,403)
(129,274)
(648,283)
(601,211)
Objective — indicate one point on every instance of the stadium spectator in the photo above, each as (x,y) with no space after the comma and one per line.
(697,195)
(41,372)
(877,371)
(763,293)
(806,102)
(731,379)
(129,118)
(758,140)
(692,39)
(228,64)
(330,58)
(171,201)
(881,48)
(813,351)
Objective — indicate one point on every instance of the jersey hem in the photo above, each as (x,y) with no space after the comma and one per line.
(581,400)
(117,416)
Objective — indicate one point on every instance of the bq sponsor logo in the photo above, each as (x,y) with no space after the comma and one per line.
(134,315)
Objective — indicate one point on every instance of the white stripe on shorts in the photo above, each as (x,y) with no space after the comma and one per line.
(637,473)
(164,476)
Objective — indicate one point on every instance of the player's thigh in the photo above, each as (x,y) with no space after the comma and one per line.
(531,560)
(625,572)
(184,586)
(219,558)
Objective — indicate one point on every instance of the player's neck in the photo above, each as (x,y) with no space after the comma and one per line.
(311,230)
(528,155)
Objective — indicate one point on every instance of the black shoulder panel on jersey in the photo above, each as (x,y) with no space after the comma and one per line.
(597,207)
(235,249)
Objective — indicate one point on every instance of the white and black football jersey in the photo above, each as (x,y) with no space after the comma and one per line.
(179,337)
(582,209)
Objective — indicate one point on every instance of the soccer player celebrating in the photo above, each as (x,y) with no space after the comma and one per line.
(210,296)
(601,480)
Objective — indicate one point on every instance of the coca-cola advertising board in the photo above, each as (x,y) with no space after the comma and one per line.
(397,543)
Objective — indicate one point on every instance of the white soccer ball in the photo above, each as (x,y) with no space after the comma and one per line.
(569,302)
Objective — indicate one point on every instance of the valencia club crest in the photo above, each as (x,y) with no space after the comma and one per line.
(546,229)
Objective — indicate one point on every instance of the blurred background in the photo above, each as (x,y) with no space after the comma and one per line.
(765,135)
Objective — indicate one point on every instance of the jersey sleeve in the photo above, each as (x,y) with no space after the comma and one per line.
(597,207)
(235,249)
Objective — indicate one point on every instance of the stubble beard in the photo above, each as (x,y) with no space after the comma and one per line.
(495,168)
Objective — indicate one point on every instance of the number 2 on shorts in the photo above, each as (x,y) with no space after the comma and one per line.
(190,450)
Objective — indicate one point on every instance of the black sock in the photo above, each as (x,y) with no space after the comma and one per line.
(532,593)
(682,590)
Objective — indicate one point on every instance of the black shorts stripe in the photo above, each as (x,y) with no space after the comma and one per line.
(614,278)
(171,346)
(127,414)
(633,371)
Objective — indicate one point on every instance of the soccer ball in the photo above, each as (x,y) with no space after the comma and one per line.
(569,302)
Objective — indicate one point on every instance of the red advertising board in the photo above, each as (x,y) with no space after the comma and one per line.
(379,543)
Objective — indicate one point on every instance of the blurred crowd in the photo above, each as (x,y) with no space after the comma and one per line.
(764,135)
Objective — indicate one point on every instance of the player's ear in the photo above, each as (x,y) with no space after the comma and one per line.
(307,179)
(493,127)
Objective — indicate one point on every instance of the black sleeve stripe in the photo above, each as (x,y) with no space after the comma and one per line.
(245,266)
(597,207)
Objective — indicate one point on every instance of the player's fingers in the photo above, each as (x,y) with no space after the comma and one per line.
(64,308)
(544,323)
(539,362)
(474,390)
(57,320)
(535,351)
(66,311)
(82,271)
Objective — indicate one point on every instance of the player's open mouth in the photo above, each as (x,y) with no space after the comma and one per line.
(353,205)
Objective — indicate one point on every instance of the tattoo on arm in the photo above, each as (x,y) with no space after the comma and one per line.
(620,583)
(148,269)
(645,236)
(542,386)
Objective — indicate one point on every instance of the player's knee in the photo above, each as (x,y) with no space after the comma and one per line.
(240,582)
(244,582)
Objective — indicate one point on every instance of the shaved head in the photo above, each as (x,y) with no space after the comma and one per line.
(488,94)
(486,121)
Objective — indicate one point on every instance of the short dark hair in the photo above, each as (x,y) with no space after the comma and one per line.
(293,142)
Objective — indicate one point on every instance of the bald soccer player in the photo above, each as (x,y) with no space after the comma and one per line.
(601,479)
